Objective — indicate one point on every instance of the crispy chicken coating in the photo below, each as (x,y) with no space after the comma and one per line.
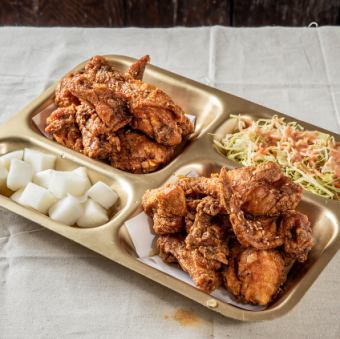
(263,189)
(136,70)
(254,276)
(202,272)
(62,125)
(117,118)
(167,207)
(154,112)
(99,141)
(260,233)
(139,154)
(207,235)
(297,235)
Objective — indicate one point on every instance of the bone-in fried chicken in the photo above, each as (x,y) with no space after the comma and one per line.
(99,141)
(154,112)
(62,125)
(139,154)
(167,207)
(117,118)
(202,272)
(254,276)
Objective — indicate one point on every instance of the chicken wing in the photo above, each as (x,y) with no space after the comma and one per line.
(202,272)
(167,207)
(254,276)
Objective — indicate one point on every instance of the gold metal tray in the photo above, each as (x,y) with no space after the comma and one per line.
(212,108)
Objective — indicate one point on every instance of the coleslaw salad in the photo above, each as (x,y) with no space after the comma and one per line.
(310,158)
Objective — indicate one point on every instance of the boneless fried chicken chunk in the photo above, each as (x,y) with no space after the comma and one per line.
(207,234)
(254,276)
(139,154)
(201,271)
(167,207)
(263,189)
(297,235)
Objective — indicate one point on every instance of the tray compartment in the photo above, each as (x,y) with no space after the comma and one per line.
(326,230)
(121,186)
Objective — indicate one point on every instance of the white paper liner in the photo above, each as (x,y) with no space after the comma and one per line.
(140,231)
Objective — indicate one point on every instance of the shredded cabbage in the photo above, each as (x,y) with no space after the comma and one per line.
(303,155)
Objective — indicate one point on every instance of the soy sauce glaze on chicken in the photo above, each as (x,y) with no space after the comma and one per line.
(238,228)
(117,118)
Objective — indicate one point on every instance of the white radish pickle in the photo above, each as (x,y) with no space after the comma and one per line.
(6,159)
(103,194)
(93,215)
(19,175)
(39,161)
(17,196)
(82,171)
(63,183)
(43,178)
(37,197)
(66,211)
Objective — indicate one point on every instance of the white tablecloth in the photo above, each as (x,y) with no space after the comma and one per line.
(53,288)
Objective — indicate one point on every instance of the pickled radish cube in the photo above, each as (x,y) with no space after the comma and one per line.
(66,211)
(3,174)
(93,215)
(43,178)
(19,175)
(82,171)
(37,197)
(103,194)
(6,159)
(39,161)
(17,196)
(63,183)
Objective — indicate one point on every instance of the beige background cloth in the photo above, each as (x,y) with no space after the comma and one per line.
(53,288)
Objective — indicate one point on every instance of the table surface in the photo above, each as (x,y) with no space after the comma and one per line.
(51,287)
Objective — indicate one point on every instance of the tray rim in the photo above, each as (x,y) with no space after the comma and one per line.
(118,256)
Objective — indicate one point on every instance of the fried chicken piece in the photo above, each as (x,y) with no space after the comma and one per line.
(262,233)
(263,189)
(111,109)
(254,276)
(136,70)
(206,234)
(202,272)
(62,125)
(154,111)
(167,207)
(297,235)
(99,140)
(139,154)
(63,96)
